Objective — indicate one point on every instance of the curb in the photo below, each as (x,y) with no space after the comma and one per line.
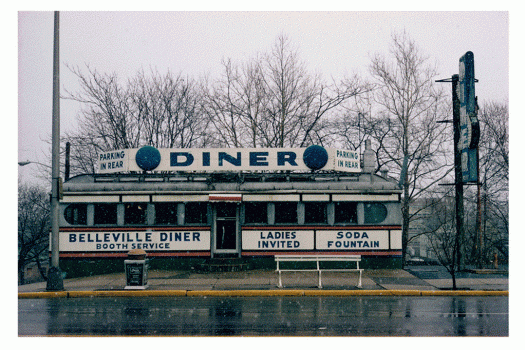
(257,293)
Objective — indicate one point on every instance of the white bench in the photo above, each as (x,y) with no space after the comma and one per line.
(318,259)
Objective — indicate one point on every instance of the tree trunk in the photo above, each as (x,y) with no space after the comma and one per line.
(41,269)
(453,274)
(21,277)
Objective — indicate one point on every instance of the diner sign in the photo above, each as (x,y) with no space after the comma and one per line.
(277,240)
(128,240)
(228,159)
(358,240)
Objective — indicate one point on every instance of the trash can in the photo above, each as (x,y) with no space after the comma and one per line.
(136,267)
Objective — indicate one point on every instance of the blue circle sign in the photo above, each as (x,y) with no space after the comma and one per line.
(147,158)
(315,157)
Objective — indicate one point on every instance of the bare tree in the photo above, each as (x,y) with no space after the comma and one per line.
(486,222)
(272,101)
(33,228)
(157,110)
(441,233)
(169,109)
(236,105)
(489,234)
(400,116)
(494,145)
(269,101)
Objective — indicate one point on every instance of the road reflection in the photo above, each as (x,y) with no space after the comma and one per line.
(281,316)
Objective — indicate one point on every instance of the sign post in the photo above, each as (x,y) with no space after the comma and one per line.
(458,171)
(54,277)
(466,140)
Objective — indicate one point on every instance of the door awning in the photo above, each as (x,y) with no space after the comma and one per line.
(225,197)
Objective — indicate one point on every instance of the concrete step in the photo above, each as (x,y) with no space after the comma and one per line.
(224,265)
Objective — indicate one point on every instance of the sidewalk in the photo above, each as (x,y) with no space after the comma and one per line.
(374,282)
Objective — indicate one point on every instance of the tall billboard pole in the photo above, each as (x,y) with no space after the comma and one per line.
(458,173)
(466,140)
(54,277)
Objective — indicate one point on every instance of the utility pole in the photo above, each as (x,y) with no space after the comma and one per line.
(479,234)
(458,173)
(54,277)
(66,170)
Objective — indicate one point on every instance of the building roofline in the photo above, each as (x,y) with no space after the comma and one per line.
(231,181)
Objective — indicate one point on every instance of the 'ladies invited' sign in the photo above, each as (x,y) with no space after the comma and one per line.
(277,240)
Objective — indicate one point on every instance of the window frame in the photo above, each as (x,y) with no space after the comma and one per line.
(366,214)
(204,217)
(97,215)
(307,215)
(144,213)
(76,206)
(279,211)
(174,217)
(255,204)
(353,214)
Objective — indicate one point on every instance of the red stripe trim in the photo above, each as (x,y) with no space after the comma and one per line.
(225,197)
(207,254)
(166,254)
(200,228)
(326,228)
(125,255)
(126,229)
(316,252)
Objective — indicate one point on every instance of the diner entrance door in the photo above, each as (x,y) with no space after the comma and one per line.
(226,228)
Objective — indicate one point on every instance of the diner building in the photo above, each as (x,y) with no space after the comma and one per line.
(198,208)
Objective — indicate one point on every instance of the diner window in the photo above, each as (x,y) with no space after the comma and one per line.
(375,213)
(135,213)
(346,213)
(196,213)
(315,213)
(166,213)
(76,214)
(286,212)
(105,214)
(256,213)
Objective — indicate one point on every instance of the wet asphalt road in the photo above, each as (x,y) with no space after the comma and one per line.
(266,316)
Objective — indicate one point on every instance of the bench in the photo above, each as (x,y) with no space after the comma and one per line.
(318,259)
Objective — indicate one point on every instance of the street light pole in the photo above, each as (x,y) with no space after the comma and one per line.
(31,162)
(54,277)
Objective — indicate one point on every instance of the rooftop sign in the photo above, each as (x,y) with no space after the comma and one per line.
(469,123)
(149,158)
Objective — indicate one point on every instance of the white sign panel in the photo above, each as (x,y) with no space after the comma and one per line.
(277,240)
(346,160)
(396,240)
(353,240)
(114,161)
(128,240)
(228,159)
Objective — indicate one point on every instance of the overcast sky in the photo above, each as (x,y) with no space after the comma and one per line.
(331,43)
